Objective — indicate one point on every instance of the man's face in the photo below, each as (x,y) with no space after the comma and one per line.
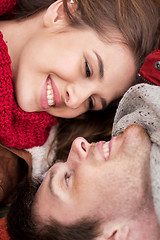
(104,180)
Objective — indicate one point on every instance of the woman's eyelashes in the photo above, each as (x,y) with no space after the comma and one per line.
(90,103)
(87,69)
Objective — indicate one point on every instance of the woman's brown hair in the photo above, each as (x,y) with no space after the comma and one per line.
(138,23)
(136,20)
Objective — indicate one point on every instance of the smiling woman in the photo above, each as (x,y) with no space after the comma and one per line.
(67,58)
(58,71)
(79,74)
(68,74)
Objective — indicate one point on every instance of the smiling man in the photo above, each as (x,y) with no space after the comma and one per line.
(105,190)
(91,184)
(114,190)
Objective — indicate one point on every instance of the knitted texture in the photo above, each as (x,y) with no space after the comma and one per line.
(18,129)
(6,6)
(3,229)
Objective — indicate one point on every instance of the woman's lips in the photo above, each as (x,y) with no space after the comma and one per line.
(57,98)
(50,96)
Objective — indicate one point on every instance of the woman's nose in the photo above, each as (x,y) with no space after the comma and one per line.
(80,146)
(75,96)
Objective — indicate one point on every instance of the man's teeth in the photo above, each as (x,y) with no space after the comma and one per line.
(50,95)
(106,149)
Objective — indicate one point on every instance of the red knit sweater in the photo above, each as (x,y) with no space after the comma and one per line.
(18,129)
(3,230)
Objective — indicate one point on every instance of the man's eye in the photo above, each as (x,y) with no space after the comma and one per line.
(67,178)
(87,69)
(90,103)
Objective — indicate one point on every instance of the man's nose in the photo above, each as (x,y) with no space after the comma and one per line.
(76,95)
(81,147)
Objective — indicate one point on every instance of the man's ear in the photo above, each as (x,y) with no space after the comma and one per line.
(118,233)
(122,233)
(54,14)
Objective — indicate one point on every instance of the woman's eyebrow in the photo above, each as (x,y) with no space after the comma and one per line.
(100,65)
(101,74)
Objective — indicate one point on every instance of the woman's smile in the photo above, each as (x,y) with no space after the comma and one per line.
(50,96)
(69,75)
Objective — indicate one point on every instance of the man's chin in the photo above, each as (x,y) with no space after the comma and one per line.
(137,137)
(136,130)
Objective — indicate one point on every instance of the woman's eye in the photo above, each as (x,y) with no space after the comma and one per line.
(90,103)
(67,178)
(87,69)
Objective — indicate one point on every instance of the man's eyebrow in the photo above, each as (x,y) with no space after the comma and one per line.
(50,184)
(104,103)
(100,64)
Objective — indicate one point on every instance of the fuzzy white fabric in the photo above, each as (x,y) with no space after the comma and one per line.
(141,105)
(40,158)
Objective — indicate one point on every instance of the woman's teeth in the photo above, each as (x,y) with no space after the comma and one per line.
(106,150)
(50,95)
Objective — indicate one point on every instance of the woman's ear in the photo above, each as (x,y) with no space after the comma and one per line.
(54,15)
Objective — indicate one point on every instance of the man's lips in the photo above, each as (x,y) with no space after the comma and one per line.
(104,149)
(50,96)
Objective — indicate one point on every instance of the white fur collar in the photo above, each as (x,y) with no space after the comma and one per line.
(40,158)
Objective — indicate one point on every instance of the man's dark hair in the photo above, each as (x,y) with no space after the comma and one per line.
(22,224)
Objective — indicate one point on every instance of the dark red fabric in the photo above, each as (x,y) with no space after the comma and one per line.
(18,129)
(6,6)
(3,230)
(149,72)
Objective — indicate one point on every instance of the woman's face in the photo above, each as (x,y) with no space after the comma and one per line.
(69,73)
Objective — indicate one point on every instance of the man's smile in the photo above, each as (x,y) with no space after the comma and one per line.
(104,149)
